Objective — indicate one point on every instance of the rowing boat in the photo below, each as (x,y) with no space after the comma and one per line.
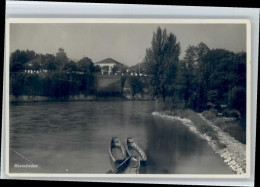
(117,152)
(134,150)
(120,159)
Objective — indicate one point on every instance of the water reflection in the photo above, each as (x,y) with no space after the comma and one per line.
(74,137)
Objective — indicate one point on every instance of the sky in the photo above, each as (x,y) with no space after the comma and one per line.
(125,43)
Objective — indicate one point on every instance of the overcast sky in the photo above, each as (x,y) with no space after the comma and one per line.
(125,43)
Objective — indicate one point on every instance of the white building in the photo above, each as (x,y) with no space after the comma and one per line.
(110,63)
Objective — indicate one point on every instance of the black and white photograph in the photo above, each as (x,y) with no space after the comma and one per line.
(164,97)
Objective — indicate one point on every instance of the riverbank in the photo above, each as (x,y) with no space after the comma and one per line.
(73,98)
(234,126)
(27,98)
(232,151)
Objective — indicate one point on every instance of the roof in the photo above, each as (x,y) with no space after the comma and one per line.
(110,61)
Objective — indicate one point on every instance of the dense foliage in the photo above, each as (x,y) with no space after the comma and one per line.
(161,60)
(204,77)
(49,75)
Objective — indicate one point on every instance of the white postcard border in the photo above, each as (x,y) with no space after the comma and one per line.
(122,21)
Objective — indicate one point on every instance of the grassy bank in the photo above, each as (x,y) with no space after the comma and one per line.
(236,127)
(200,124)
(227,147)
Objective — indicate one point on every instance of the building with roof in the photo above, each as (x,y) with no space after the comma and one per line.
(34,65)
(107,65)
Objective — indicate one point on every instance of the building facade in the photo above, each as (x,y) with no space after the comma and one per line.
(106,65)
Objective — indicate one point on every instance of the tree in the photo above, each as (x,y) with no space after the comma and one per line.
(161,60)
(50,62)
(61,59)
(86,65)
(222,76)
(97,69)
(196,78)
(115,68)
(16,66)
(36,66)
(238,99)
(17,84)
(136,85)
(217,76)
(202,76)
(105,68)
(70,67)
(19,58)
(227,76)
(87,81)
(182,83)
(124,70)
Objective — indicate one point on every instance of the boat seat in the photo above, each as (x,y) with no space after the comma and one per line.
(117,153)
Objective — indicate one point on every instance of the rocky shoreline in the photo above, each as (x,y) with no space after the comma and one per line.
(234,153)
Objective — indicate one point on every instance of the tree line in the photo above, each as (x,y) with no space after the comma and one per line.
(51,75)
(204,77)
(29,60)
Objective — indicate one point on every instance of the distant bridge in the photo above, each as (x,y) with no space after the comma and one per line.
(114,84)
(125,75)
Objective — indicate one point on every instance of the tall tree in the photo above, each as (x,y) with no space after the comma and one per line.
(61,59)
(202,51)
(161,60)
(196,79)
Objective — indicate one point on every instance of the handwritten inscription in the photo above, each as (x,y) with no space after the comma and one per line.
(26,166)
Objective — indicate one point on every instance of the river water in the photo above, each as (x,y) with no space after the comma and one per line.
(73,137)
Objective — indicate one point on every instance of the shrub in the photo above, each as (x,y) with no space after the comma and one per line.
(169,112)
(221,124)
(213,111)
(201,125)
(238,99)
(218,122)
(210,114)
(231,113)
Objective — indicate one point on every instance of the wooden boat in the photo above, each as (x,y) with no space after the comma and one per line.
(120,160)
(133,165)
(134,150)
(130,166)
(117,152)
